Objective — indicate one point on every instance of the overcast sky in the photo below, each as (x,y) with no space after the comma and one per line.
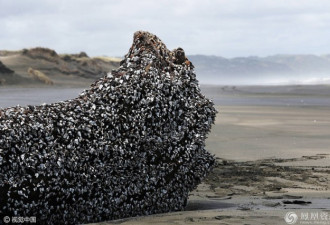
(228,28)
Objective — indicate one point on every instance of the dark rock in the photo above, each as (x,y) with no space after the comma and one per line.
(297,202)
(133,144)
(4,69)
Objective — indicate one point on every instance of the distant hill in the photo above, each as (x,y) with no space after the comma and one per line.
(277,69)
(81,70)
(8,76)
(57,69)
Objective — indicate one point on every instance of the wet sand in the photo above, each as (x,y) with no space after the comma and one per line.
(256,132)
(273,154)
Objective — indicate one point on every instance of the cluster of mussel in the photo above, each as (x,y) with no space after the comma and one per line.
(132,144)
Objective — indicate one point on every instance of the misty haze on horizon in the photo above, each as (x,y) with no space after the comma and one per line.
(214,70)
(270,70)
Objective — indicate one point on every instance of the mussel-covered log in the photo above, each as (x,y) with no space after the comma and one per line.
(132,144)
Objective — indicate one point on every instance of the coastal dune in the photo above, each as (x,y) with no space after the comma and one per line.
(64,70)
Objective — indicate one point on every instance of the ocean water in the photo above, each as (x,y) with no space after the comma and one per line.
(35,96)
(297,95)
(270,100)
(268,96)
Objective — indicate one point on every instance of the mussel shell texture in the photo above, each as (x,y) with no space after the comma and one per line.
(133,144)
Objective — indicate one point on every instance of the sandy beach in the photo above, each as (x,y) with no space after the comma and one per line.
(272,148)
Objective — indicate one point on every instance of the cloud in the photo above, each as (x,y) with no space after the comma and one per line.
(216,27)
